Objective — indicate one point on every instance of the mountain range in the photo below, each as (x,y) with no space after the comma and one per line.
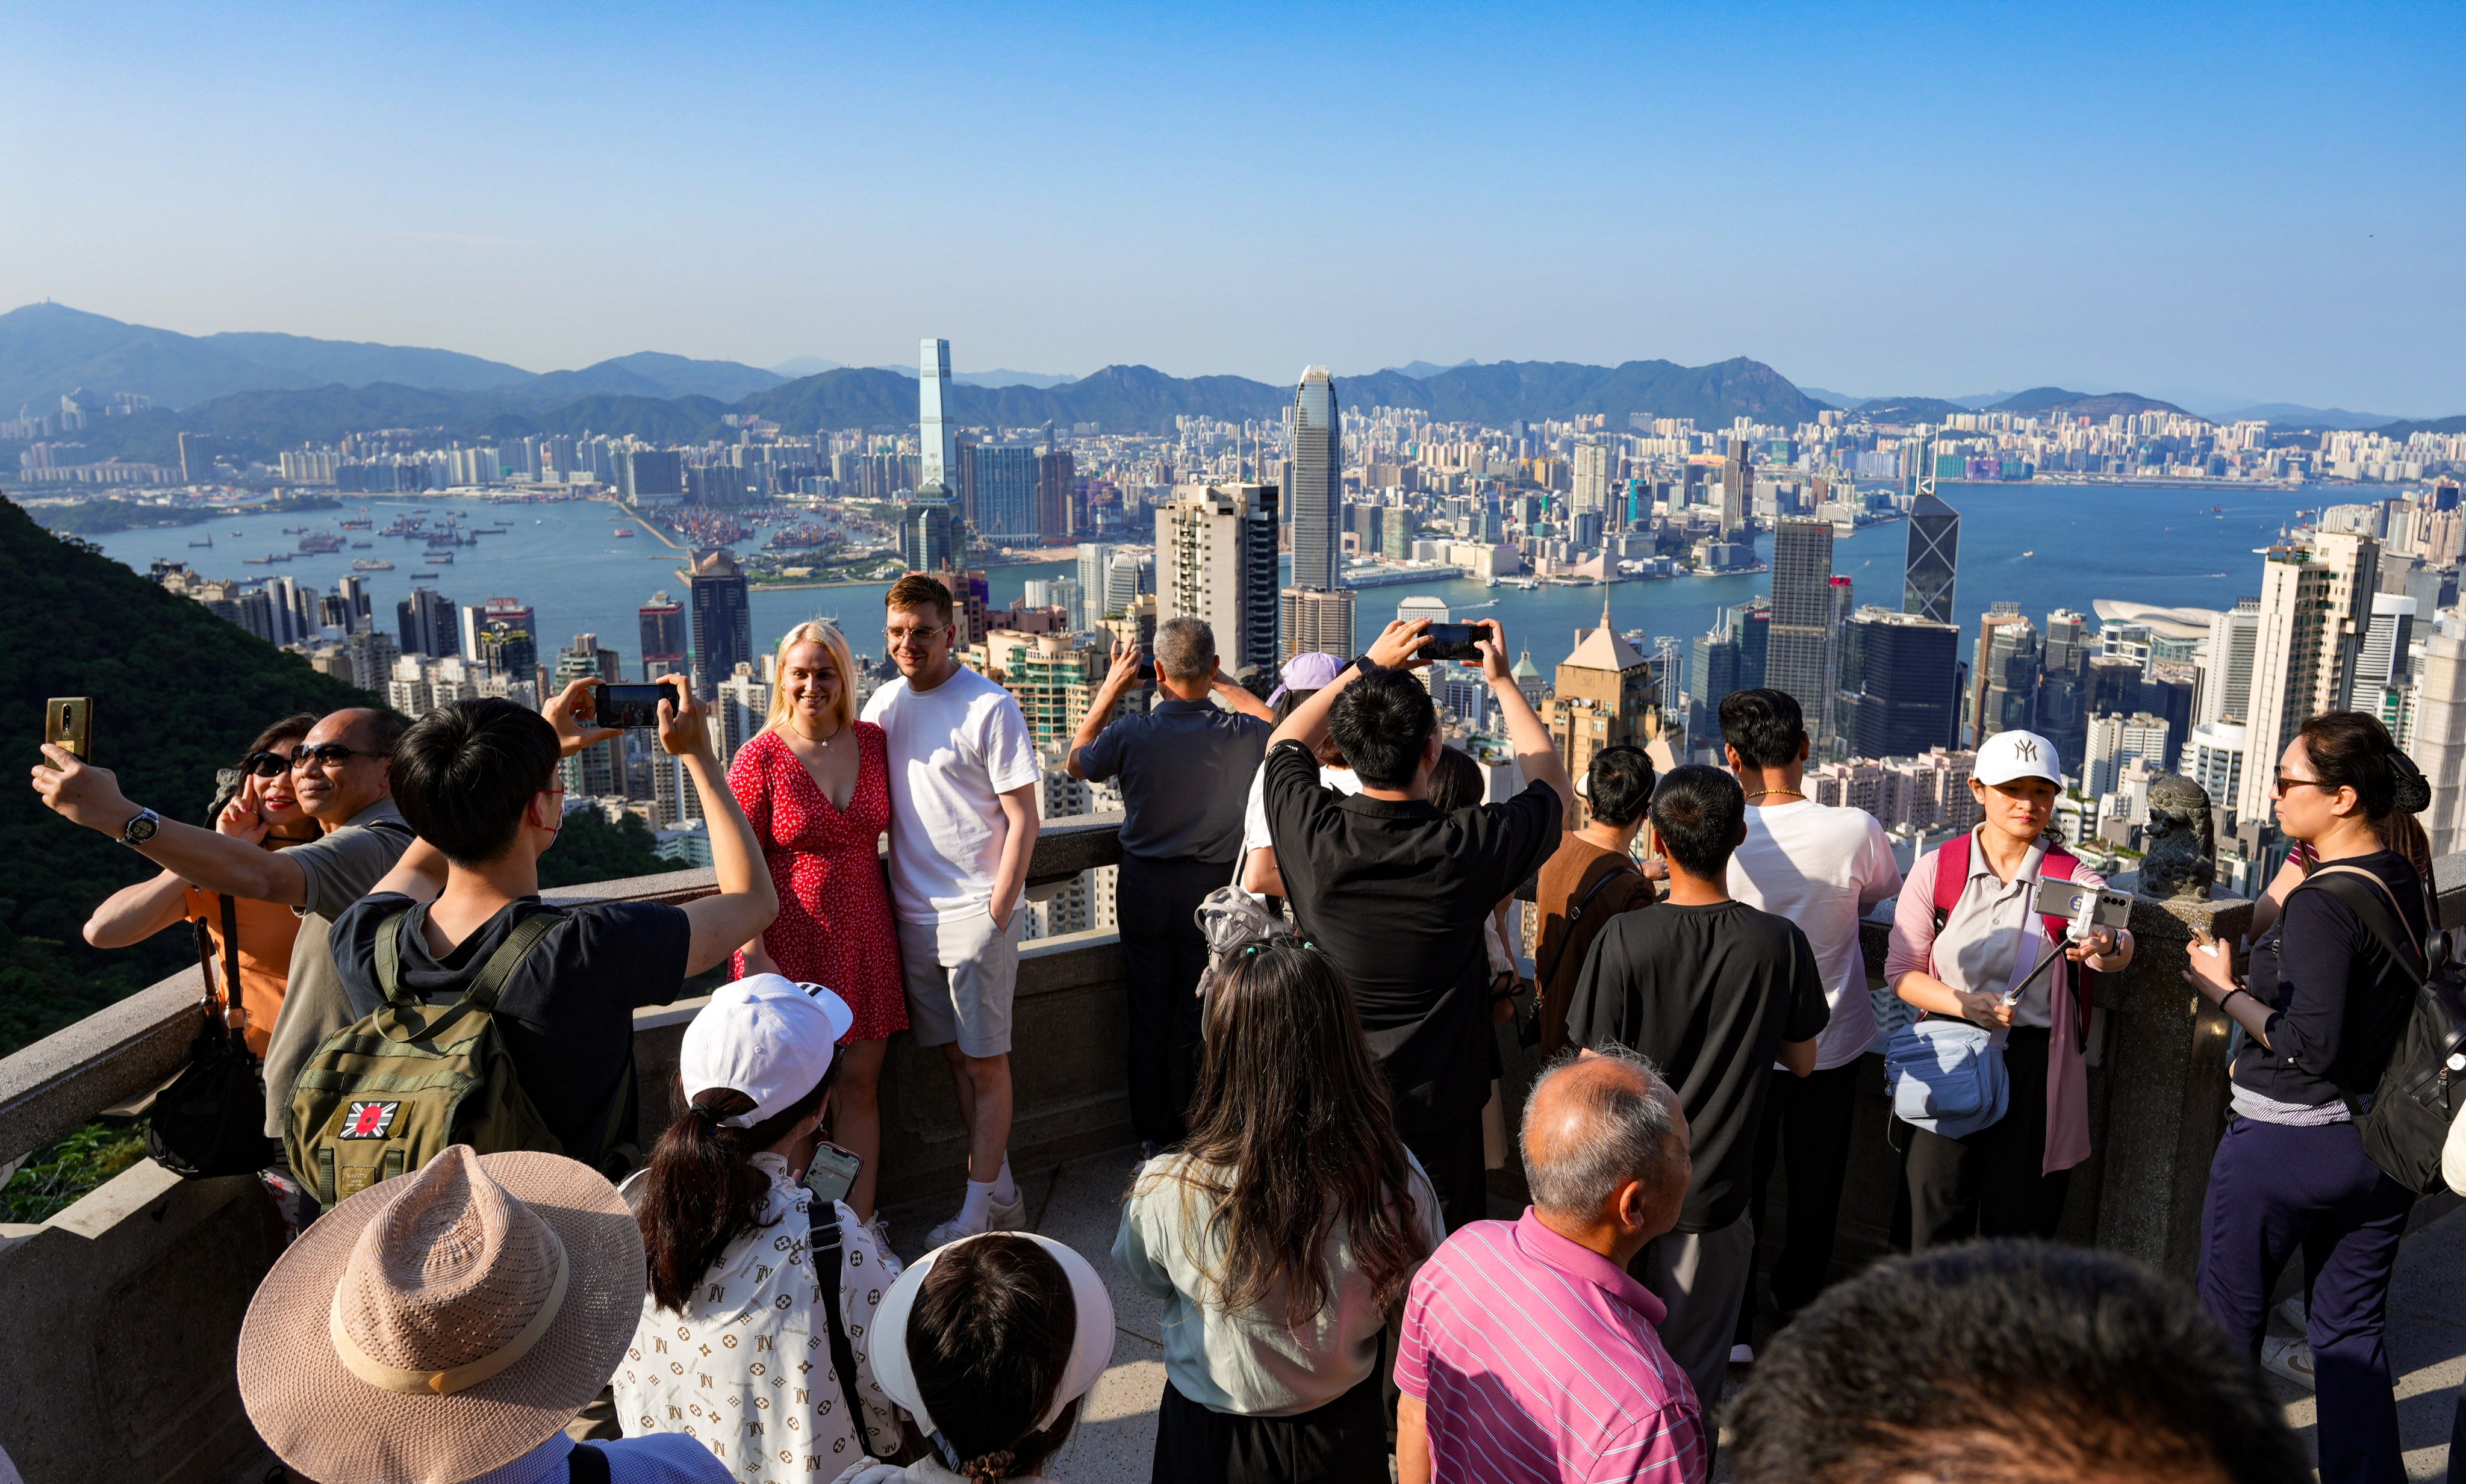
(265,391)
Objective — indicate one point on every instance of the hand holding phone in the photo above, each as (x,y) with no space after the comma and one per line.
(627,706)
(833,1172)
(1460,642)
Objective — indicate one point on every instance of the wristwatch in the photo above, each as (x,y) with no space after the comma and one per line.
(140,829)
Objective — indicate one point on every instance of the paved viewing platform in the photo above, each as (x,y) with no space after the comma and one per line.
(124,1308)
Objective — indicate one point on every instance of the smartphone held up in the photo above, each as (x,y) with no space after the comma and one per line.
(628,705)
(68,725)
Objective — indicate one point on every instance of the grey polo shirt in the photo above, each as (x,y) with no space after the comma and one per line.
(1184,769)
(338,866)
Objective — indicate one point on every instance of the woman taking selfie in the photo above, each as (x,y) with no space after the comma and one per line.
(754,1277)
(1280,1235)
(259,787)
(2322,1013)
(814,782)
(1966,936)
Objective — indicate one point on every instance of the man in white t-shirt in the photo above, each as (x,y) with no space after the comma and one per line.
(1824,868)
(963,819)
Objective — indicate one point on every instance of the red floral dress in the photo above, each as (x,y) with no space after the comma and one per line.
(834,927)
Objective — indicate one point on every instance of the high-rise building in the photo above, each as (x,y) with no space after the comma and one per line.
(1933,560)
(427,624)
(929,538)
(1216,562)
(2226,683)
(196,459)
(723,618)
(1594,464)
(2315,609)
(667,641)
(1603,694)
(740,711)
(937,471)
(1312,621)
(1095,572)
(1798,656)
(1738,493)
(2063,686)
(2439,741)
(1900,684)
(1058,517)
(2214,756)
(652,477)
(2381,662)
(502,635)
(1053,679)
(598,770)
(2114,743)
(1006,492)
(2004,680)
(1315,486)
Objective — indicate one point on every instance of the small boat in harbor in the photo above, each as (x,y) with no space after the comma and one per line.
(624,531)
(362,564)
(423,574)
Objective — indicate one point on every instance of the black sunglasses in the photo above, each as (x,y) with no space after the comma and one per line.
(265,765)
(332,754)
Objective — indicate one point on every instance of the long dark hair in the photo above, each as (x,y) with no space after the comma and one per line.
(2351,749)
(1455,781)
(702,1190)
(1291,1136)
(990,1339)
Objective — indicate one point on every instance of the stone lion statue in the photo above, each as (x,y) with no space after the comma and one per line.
(2180,863)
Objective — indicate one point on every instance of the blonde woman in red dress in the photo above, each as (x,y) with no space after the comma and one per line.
(815,783)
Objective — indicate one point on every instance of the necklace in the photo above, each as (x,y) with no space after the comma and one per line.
(810,737)
(1766,793)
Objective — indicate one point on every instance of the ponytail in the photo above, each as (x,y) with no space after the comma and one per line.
(702,1190)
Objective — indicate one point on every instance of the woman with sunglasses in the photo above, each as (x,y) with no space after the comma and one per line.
(264,930)
(1281,1234)
(2321,1011)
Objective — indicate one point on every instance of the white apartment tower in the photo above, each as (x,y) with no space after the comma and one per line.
(2315,609)
(1594,463)
(1216,562)
(2226,686)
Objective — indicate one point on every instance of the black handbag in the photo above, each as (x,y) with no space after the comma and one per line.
(211,1120)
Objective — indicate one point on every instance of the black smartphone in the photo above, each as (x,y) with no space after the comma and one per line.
(1453,641)
(628,705)
(1147,663)
(68,725)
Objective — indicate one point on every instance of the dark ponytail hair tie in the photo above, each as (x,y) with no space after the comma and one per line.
(2414,793)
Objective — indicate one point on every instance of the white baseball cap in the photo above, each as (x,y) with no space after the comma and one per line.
(766,1036)
(2009,755)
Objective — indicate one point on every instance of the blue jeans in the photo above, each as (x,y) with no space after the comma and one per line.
(2274,1190)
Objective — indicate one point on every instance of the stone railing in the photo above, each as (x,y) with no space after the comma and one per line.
(124,1311)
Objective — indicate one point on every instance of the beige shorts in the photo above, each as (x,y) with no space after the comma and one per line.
(960,977)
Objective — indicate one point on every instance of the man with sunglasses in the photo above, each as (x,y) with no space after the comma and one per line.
(342,775)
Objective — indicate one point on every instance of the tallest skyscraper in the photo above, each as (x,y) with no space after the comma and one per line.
(938,471)
(1314,481)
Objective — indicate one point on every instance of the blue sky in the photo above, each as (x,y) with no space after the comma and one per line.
(2262,201)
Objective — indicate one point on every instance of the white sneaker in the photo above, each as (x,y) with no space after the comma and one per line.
(949,1231)
(1742,1355)
(998,1217)
(2291,1359)
(2294,1313)
(879,1228)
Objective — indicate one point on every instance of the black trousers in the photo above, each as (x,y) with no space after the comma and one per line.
(1990,1183)
(1805,1131)
(1344,1442)
(1452,1156)
(1163,955)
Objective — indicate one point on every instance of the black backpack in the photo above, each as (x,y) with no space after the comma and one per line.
(2420,1093)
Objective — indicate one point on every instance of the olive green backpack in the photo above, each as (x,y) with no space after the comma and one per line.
(392,1091)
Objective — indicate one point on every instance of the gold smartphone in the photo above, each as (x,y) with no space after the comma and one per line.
(68,724)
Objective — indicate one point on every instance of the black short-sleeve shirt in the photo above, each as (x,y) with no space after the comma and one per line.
(1709,994)
(1394,893)
(1186,771)
(567,1013)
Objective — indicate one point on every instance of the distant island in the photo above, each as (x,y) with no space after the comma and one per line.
(104,516)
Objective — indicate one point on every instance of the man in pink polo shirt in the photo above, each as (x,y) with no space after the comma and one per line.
(1527,1354)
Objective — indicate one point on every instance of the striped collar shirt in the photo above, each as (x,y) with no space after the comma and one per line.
(1538,1362)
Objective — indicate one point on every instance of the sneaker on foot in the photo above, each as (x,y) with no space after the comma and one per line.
(948,1232)
(2294,1313)
(1742,1355)
(2291,1359)
(1007,1218)
(880,1229)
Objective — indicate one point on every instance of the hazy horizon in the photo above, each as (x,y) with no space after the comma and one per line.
(2244,205)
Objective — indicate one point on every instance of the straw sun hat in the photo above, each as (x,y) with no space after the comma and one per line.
(442,1324)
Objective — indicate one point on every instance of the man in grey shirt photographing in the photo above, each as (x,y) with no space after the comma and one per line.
(1184,769)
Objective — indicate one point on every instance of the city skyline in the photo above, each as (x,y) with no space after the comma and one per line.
(473,221)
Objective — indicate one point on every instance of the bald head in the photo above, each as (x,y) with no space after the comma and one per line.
(1597,1124)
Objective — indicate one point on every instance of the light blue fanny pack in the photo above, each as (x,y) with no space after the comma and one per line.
(1946,1075)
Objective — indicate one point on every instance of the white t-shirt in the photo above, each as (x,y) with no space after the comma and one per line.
(1254,816)
(954,750)
(1822,867)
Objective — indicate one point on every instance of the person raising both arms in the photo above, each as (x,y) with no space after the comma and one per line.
(814,782)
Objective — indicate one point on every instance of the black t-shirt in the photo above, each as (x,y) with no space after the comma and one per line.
(2341,1001)
(567,1012)
(1709,994)
(1394,893)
